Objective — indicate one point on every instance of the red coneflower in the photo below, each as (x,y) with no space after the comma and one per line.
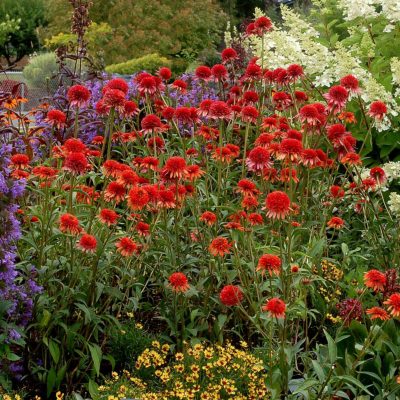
(219,72)
(335,223)
(309,158)
(249,114)
(351,158)
(275,307)
(179,85)
(143,229)
(337,97)
(231,295)
(290,149)
(255,219)
(247,188)
(270,263)
(126,246)
(128,178)
(69,224)
(250,97)
(138,198)
(203,72)
(219,247)
(378,174)
(220,110)
(166,198)
(56,118)
(377,110)
(178,282)
(116,83)
(87,243)
(44,172)
(151,123)
(108,217)
(130,108)
(258,159)
(164,73)
(76,163)
(148,85)
(350,82)
(114,98)
(295,71)
(336,192)
(378,313)
(393,304)
(262,25)
(278,205)
(281,100)
(375,280)
(78,95)
(208,217)
(347,117)
(249,202)
(19,161)
(98,140)
(228,54)
(114,192)
(309,114)
(112,168)
(175,168)
(300,96)
(194,172)
(74,146)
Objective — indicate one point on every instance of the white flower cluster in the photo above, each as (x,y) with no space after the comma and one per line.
(296,43)
(394,203)
(358,8)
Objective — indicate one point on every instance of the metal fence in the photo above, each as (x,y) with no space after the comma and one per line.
(34,94)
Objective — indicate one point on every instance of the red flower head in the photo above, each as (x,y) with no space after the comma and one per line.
(151,123)
(87,243)
(375,280)
(258,159)
(178,282)
(114,98)
(393,304)
(290,149)
(108,217)
(249,114)
(309,158)
(309,115)
(270,263)
(175,168)
(228,54)
(74,146)
(203,72)
(281,100)
(44,172)
(277,204)
(19,161)
(253,72)
(337,97)
(148,85)
(69,224)
(143,229)
(76,163)
(295,71)
(351,158)
(126,246)
(220,110)
(377,110)
(56,118)
(247,188)
(262,25)
(335,223)
(208,217)
(165,73)
(116,83)
(138,198)
(219,246)
(101,108)
(112,168)
(250,97)
(350,82)
(231,295)
(194,172)
(251,29)
(336,192)
(300,96)
(255,219)
(114,192)
(378,174)
(219,72)
(275,307)
(130,108)
(378,313)
(78,95)
(180,85)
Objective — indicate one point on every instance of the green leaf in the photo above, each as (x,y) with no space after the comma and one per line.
(306,385)
(318,370)
(54,351)
(51,381)
(96,354)
(93,389)
(332,349)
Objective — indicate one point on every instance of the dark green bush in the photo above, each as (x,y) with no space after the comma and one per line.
(150,63)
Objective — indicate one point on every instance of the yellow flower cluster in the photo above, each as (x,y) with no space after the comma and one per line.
(200,372)
(330,272)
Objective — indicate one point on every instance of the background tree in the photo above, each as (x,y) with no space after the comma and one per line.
(23,41)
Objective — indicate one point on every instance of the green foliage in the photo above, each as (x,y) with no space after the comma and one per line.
(40,69)
(150,63)
(7,27)
(22,41)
